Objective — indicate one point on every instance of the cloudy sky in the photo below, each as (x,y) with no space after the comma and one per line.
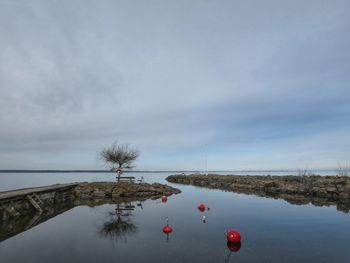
(255,84)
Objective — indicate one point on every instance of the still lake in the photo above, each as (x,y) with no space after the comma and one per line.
(272,230)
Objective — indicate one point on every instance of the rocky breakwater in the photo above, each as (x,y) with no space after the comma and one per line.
(317,190)
(19,203)
(121,191)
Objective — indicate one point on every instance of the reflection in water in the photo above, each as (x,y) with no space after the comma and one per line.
(233,247)
(342,205)
(120,225)
(139,204)
(10,228)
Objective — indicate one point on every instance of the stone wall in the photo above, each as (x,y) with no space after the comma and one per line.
(19,205)
(318,190)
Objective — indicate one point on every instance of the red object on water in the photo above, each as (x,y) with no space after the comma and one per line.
(233,236)
(167,229)
(234,247)
(164,199)
(201,207)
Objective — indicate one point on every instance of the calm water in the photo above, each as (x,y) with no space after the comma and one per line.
(272,230)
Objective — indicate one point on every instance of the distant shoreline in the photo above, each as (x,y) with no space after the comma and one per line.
(154,171)
(88,171)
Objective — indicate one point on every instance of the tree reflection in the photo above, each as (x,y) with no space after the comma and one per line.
(120,224)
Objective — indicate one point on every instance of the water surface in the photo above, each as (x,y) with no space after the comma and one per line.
(272,230)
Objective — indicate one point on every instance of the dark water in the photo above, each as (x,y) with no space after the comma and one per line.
(272,231)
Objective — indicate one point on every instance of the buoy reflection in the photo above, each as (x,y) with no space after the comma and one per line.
(233,247)
(201,207)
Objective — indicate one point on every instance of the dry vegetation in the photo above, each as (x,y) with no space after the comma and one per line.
(119,155)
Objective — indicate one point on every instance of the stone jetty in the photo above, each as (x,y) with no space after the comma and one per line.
(17,203)
(317,190)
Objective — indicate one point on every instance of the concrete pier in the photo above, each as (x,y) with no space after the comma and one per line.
(34,200)
(19,193)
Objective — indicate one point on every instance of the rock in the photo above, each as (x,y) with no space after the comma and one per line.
(331,189)
(99,193)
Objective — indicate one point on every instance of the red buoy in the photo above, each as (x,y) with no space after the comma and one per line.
(167,229)
(233,236)
(201,207)
(164,199)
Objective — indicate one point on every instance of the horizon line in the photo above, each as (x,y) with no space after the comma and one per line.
(148,171)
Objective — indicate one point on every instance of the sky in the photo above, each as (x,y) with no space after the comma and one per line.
(245,84)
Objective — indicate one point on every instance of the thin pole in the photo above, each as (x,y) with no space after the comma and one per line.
(206,160)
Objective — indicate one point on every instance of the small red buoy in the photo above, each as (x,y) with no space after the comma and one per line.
(167,229)
(164,199)
(233,236)
(201,207)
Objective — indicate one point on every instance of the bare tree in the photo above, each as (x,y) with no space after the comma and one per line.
(119,155)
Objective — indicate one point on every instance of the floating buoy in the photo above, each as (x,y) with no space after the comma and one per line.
(167,229)
(164,199)
(234,247)
(233,236)
(201,207)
